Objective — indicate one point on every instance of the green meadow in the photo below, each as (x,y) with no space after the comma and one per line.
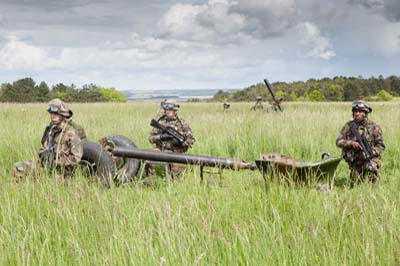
(231,220)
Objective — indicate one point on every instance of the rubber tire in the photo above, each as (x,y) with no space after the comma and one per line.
(127,172)
(101,164)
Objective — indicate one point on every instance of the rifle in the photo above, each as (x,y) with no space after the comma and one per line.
(168,130)
(277,102)
(365,147)
(47,156)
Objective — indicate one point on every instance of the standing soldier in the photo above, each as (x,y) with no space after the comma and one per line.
(362,165)
(258,104)
(166,142)
(61,145)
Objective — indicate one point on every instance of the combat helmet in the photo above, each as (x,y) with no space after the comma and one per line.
(361,105)
(171,105)
(56,106)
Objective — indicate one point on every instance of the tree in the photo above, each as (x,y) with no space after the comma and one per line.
(42,92)
(112,95)
(334,93)
(316,96)
(383,95)
(61,91)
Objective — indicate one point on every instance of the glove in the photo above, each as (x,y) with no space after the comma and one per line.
(43,155)
(356,145)
(165,137)
(174,142)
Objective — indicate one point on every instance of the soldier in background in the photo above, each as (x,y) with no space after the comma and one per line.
(226,107)
(61,144)
(274,106)
(164,141)
(360,169)
(258,104)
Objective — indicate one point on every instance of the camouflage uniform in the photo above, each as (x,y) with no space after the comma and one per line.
(171,145)
(258,104)
(67,148)
(66,151)
(226,106)
(355,157)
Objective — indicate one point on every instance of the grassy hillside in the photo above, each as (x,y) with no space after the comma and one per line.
(235,221)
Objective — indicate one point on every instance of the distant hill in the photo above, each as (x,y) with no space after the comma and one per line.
(180,95)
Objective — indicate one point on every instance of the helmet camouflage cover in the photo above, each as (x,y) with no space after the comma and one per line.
(171,105)
(56,106)
(361,105)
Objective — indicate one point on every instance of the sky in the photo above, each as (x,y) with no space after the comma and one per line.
(196,44)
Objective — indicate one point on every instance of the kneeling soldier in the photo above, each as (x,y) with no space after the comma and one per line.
(362,143)
(61,145)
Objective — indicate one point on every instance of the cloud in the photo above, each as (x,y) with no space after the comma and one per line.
(369,4)
(319,46)
(16,54)
(267,17)
(226,22)
(390,9)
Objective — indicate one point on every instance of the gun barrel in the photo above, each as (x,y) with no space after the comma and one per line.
(234,164)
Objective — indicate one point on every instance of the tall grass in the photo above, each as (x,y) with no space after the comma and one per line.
(236,221)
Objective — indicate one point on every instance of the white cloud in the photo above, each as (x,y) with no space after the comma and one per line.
(227,22)
(319,46)
(389,39)
(15,54)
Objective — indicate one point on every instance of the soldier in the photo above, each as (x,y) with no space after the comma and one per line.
(61,145)
(360,168)
(274,105)
(226,107)
(258,104)
(164,141)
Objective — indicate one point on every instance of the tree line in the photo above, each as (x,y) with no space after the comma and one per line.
(326,89)
(26,90)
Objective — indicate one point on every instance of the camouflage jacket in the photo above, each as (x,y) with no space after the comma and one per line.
(67,147)
(179,125)
(367,128)
(257,105)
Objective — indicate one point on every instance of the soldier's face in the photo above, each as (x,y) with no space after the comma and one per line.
(359,115)
(56,119)
(170,113)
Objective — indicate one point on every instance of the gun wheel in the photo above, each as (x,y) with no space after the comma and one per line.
(96,162)
(127,168)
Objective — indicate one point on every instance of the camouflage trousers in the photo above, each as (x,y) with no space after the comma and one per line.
(359,172)
(172,170)
(31,169)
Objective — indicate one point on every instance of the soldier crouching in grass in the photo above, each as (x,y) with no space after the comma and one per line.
(167,142)
(61,145)
(258,105)
(226,106)
(363,158)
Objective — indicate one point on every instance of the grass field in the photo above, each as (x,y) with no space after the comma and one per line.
(236,221)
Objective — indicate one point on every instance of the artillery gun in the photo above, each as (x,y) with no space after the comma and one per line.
(275,103)
(268,164)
